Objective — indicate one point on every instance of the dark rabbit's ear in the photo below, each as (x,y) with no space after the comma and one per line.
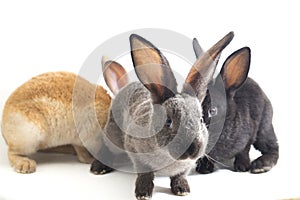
(202,71)
(197,48)
(115,75)
(235,69)
(152,69)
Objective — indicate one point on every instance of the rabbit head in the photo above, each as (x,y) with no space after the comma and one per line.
(158,126)
(175,118)
(222,89)
(218,104)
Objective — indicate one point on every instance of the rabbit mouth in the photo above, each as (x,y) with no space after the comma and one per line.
(195,150)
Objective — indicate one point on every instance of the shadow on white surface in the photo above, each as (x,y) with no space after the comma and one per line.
(60,176)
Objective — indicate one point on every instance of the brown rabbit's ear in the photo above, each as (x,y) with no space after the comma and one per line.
(115,75)
(235,69)
(202,71)
(197,48)
(152,69)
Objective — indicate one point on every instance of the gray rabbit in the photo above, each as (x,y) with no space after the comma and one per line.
(247,116)
(158,127)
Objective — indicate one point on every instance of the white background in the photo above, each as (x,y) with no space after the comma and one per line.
(36,37)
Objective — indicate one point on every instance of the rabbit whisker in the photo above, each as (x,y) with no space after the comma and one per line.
(214,160)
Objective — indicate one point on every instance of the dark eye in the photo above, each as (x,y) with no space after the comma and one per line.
(169,122)
(213,111)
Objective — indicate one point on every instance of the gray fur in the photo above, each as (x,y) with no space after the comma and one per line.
(157,127)
(136,127)
(145,138)
(197,48)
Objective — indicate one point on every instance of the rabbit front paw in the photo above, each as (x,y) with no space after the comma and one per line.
(204,166)
(241,165)
(99,168)
(146,197)
(179,185)
(144,186)
(182,188)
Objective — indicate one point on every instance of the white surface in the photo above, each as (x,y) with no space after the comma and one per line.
(36,37)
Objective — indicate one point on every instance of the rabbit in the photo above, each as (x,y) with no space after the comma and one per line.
(247,118)
(154,124)
(38,116)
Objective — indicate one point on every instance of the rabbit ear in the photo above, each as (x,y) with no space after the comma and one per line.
(197,48)
(202,71)
(235,69)
(152,69)
(115,75)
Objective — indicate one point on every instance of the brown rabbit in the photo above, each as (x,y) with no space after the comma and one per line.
(52,110)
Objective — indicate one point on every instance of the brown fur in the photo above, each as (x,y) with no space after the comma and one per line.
(235,75)
(148,60)
(115,75)
(39,115)
(65,149)
(196,77)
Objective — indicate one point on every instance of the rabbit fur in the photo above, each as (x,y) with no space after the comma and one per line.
(247,116)
(155,125)
(39,115)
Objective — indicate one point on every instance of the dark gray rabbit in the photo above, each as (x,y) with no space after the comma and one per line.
(158,127)
(248,118)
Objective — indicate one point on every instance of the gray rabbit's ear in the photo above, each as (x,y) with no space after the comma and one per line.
(197,48)
(115,75)
(235,69)
(202,71)
(152,69)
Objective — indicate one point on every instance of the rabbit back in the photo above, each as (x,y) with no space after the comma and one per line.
(40,111)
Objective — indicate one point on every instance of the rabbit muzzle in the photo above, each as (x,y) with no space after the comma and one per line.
(193,151)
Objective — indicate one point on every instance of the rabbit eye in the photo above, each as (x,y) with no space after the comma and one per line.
(213,111)
(169,122)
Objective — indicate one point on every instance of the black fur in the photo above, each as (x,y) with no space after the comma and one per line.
(98,167)
(144,186)
(248,121)
(179,185)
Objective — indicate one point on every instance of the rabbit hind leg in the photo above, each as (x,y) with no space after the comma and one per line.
(24,138)
(83,155)
(21,163)
(19,150)
(267,144)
